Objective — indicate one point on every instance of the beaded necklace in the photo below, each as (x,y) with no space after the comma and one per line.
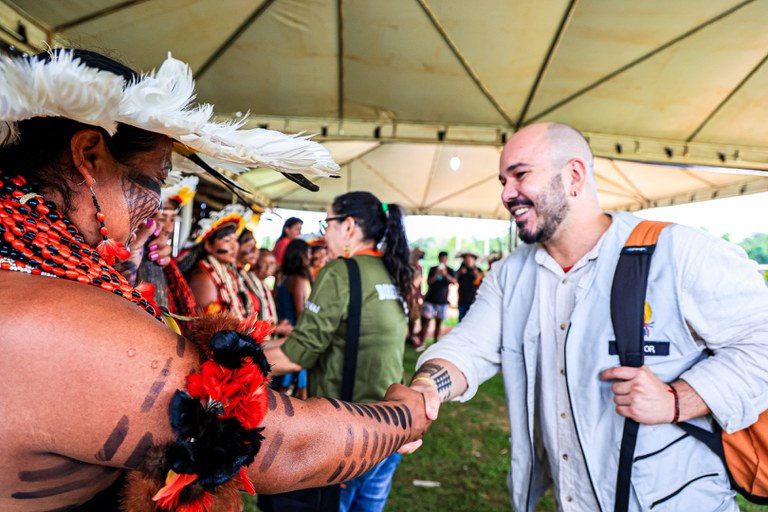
(36,238)
(229,288)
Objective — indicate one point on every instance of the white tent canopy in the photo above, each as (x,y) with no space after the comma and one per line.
(397,88)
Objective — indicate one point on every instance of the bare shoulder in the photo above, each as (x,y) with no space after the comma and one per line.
(86,367)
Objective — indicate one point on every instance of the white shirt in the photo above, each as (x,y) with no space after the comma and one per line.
(558,294)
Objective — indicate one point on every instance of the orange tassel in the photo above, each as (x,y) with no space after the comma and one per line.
(111,250)
(168,497)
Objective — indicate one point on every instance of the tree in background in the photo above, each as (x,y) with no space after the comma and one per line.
(756,247)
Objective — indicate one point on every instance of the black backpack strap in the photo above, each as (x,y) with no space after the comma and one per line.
(353,329)
(630,282)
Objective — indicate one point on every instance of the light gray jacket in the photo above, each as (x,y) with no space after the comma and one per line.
(710,316)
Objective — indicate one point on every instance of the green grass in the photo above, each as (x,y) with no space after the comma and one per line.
(467,452)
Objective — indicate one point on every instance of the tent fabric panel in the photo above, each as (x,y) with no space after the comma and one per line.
(297,75)
(397,35)
(605,36)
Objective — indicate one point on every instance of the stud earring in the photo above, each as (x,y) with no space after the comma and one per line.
(108,248)
(346,251)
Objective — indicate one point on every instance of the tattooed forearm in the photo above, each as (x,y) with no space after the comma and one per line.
(440,376)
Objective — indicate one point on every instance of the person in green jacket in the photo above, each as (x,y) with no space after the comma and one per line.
(361,227)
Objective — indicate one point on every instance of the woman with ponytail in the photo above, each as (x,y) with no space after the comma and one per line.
(371,233)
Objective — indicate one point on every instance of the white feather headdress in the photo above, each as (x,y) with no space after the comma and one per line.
(182,191)
(159,102)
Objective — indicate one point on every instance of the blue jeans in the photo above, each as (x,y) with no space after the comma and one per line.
(369,491)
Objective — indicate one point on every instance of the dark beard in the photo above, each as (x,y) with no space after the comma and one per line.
(551,209)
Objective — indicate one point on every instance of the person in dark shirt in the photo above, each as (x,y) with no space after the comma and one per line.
(439,279)
(469,278)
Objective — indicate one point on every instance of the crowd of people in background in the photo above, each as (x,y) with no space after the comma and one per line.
(304,290)
(338,310)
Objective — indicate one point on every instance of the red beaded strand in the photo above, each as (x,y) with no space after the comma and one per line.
(36,238)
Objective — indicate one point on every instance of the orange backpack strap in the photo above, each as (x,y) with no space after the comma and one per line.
(646,233)
(630,281)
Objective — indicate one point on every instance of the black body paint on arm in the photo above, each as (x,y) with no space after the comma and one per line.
(181,345)
(64,469)
(137,455)
(114,440)
(157,386)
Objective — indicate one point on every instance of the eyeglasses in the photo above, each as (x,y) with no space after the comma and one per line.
(324,223)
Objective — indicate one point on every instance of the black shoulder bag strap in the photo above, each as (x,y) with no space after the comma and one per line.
(627,315)
(353,329)
(328,497)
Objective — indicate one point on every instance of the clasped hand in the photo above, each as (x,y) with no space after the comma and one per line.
(423,412)
(640,395)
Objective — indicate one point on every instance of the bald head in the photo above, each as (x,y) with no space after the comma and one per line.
(567,143)
(560,144)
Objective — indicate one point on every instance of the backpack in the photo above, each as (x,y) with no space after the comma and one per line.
(745,452)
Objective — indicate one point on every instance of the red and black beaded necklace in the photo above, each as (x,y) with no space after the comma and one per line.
(37,238)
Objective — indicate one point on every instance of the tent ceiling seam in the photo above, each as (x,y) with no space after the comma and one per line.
(460,191)
(97,14)
(626,179)
(464,63)
(385,180)
(361,155)
(432,170)
(695,176)
(340,55)
(233,37)
(730,95)
(637,61)
(553,47)
(624,192)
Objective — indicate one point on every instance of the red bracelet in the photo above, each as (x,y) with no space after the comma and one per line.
(677,402)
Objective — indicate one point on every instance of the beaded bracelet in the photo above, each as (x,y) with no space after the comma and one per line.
(677,402)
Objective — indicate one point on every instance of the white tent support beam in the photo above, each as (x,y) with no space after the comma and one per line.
(618,147)
(37,35)
(561,29)
(464,62)
(637,61)
(706,194)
